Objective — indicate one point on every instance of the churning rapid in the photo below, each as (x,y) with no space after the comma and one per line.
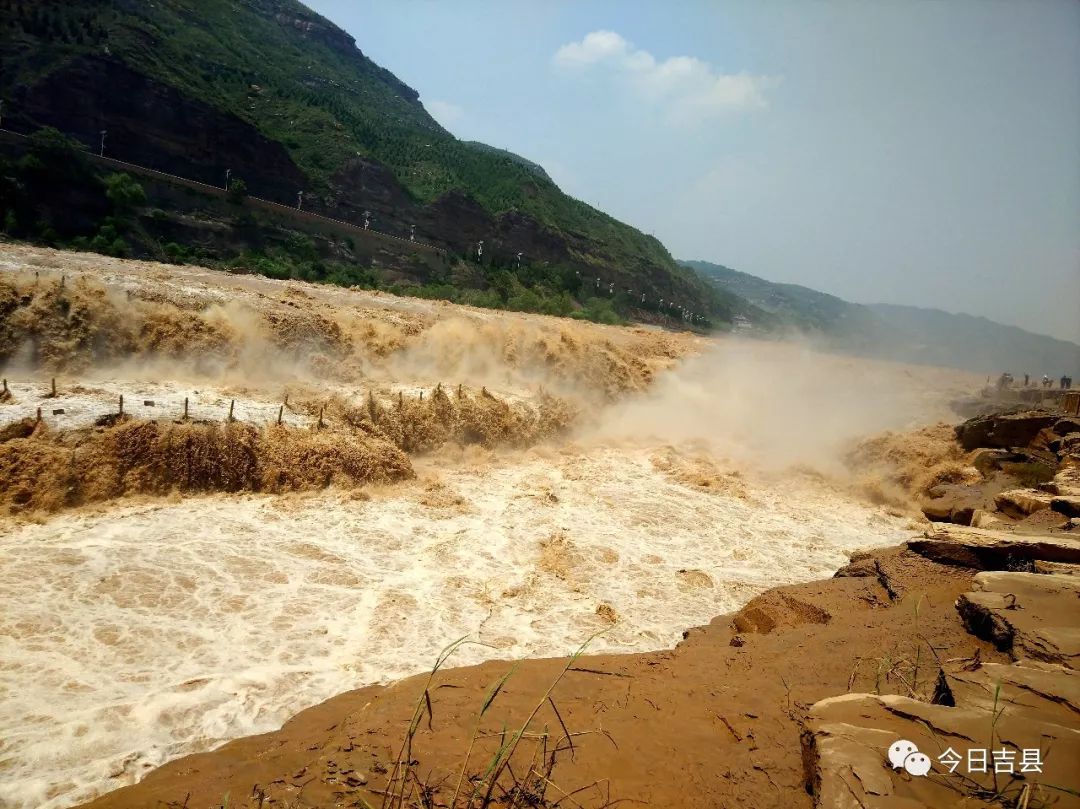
(362,479)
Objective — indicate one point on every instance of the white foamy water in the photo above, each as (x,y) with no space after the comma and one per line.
(136,634)
(81,405)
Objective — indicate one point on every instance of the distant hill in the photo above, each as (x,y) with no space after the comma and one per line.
(794,306)
(942,338)
(905,333)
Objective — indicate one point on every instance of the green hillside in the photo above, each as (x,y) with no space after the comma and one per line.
(535,168)
(301,82)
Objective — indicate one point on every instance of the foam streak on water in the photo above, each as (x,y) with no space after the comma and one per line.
(138,634)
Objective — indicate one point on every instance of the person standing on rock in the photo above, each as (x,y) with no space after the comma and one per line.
(1027,379)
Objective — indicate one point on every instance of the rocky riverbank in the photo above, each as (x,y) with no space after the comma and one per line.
(1022,473)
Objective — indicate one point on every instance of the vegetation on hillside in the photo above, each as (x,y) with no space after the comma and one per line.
(300,81)
(35,189)
(535,168)
(53,164)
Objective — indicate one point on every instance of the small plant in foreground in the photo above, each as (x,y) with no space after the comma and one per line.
(498,784)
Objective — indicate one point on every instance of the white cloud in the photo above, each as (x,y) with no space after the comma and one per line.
(595,47)
(690,89)
(445,113)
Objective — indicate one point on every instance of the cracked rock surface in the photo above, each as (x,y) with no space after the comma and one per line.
(1029,708)
(1030,615)
(985,549)
(848,737)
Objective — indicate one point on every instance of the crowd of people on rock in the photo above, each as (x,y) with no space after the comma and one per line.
(1006,381)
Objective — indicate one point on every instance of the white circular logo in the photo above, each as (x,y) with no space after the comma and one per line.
(904,754)
(900,750)
(917,764)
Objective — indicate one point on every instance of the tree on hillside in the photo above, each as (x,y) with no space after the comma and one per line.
(124,192)
(55,157)
(237,191)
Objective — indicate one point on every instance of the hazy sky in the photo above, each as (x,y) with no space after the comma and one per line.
(912,152)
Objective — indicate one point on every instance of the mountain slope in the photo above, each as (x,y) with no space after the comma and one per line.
(907,333)
(987,346)
(284,99)
(793,305)
(535,168)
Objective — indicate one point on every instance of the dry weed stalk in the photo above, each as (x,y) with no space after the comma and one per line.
(498,783)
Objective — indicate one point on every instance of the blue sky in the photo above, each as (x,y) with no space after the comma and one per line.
(923,153)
